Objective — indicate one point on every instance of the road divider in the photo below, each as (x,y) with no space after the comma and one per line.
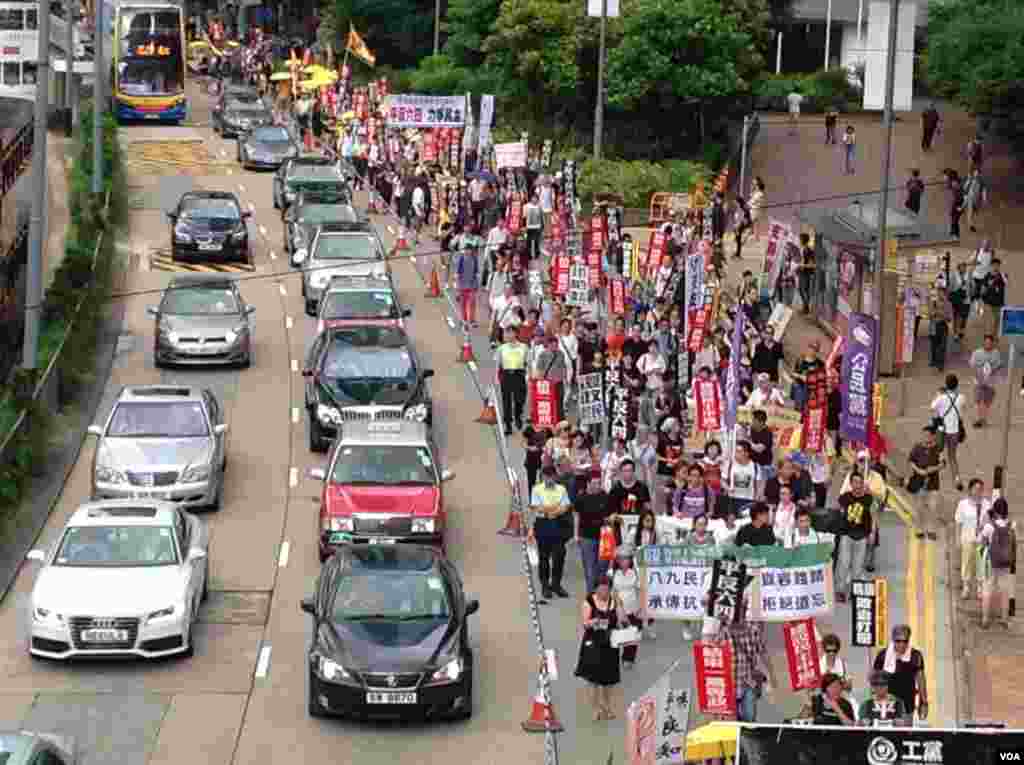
(288,322)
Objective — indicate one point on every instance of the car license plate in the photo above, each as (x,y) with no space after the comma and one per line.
(210,247)
(105,636)
(151,495)
(381,541)
(152,116)
(390,697)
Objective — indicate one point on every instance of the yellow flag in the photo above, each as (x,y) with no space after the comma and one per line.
(358,48)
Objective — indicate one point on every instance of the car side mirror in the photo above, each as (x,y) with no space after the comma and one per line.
(220,429)
(308,606)
(94,430)
(447,475)
(472,607)
(246,214)
(172,217)
(152,310)
(318,474)
(37,556)
(406,313)
(300,255)
(250,310)
(307,372)
(427,373)
(196,553)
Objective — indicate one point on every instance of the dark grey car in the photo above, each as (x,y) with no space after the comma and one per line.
(266,147)
(202,319)
(239,117)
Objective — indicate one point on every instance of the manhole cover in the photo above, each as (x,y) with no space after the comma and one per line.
(250,608)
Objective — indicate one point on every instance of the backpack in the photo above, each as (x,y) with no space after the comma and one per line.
(1000,547)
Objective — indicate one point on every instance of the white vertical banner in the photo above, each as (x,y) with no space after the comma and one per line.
(469,135)
(486,118)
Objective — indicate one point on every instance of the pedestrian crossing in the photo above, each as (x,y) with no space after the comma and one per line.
(160,260)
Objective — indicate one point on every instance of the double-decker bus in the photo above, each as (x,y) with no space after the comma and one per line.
(149,62)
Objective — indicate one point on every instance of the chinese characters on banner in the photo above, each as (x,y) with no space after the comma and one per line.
(616,297)
(511,155)
(579,285)
(676,592)
(728,582)
(732,378)
(796,592)
(618,399)
(774,257)
(406,111)
(858,379)
(429,146)
(628,256)
(515,216)
(598,238)
(544,403)
(707,395)
(802,654)
(816,411)
(569,185)
(591,399)
(716,681)
(870,607)
(656,725)
(655,252)
(561,266)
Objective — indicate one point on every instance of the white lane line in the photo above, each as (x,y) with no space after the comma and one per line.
(263,230)
(252,207)
(230,172)
(263,663)
(273,255)
(295,415)
(295,365)
(288,322)
(511,476)
(282,558)
(284,292)
(241,187)
(223,153)
(293,477)
(451,324)
(412,259)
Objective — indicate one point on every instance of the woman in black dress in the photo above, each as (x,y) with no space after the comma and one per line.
(599,661)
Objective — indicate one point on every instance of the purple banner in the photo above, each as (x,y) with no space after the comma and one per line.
(732,374)
(858,378)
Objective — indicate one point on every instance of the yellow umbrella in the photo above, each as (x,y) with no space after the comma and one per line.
(197,44)
(233,43)
(716,739)
(279,76)
(314,69)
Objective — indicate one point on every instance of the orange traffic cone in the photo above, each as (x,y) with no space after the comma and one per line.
(467,351)
(542,717)
(489,415)
(434,286)
(307,139)
(513,524)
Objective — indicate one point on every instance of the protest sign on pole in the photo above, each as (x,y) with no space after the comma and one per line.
(408,110)
(579,285)
(562,264)
(858,379)
(715,673)
(486,119)
(815,412)
(802,654)
(591,399)
(616,297)
(510,155)
(543,403)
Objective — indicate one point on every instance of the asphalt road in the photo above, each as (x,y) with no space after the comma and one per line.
(242,698)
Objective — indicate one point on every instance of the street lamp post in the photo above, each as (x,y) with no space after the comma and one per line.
(599,106)
(883,207)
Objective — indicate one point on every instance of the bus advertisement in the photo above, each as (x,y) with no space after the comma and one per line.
(149,62)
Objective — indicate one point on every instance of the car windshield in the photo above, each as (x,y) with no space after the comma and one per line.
(344,362)
(304,172)
(184,419)
(241,100)
(316,213)
(271,135)
(396,596)
(353,247)
(210,209)
(96,546)
(368,304)
(199,301)
(384,464)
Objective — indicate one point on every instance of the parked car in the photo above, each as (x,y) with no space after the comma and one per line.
(357,300)
(363,373)
(125,578)
(390,635)
(209,225)
(312,209)
(382,485)
(309,173)
(203,319)
(340,249)
(29,748)
(266,147)
(162,442)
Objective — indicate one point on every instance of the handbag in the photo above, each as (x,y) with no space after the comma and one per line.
(625,636)
(606,545)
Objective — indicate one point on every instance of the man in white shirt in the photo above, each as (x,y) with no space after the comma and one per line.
(419,209)
(794,100)
(534,227)
(765,394)
(503,313)
(497,237)
(970,517)
(477,187)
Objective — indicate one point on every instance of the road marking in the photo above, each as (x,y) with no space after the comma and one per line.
(511,476)
(284,292)
(451,324)
(293,477)
(928,627)
(295,365)
(252,207)
(241,188)
(282,558)
(295,415)
(273,255)
(263,230)
(263,663)
(230,171)
(288,322)
(913,565)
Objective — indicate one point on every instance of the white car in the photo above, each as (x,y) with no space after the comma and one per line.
(125,579)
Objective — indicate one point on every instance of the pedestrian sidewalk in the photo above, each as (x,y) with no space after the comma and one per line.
(60,155)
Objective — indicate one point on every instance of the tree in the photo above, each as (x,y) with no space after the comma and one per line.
(468,24)
(976,53)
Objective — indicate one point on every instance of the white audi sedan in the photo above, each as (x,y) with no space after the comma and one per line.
(125,579)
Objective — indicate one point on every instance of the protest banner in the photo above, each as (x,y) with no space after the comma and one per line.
(657,723)
(655,252)
(716,680)
(802,654)
(591,399)
(579,285)
(616,297)
(725,596)
(815,412)
(536,282)
(544,403)
(561,265)
(707,396)
(510,155)
(858,378)
(869,610)
(407,110)
(515,217)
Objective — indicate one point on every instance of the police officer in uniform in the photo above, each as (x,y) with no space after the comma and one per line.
(512,358)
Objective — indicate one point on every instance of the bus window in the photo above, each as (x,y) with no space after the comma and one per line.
(12,73)
(28,72)
(32,19)
(11,20)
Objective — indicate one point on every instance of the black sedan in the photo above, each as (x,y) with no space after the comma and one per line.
(209,225)
(390,635)
(266,147)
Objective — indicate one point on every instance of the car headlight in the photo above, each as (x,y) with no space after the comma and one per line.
(328,415)
(182,234)
(379,272)
(319,280)
(106,474)
(289,194)
(331,671)
(239,235)
(449,673)
(422,525)
(195,474)
(340,524)
(417,413)
(163,613)
(168,334)
(46,616)
(232,335)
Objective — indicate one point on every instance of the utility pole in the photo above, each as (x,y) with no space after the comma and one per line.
(883,207)
(999,473)
(36,232)
(599,106)
(69,64)
(437,27)
(97,103)
(743,156)
(828,31)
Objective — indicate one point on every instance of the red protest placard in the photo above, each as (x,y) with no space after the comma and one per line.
(560,273)
(515,216)
(656,252)
(617,297)
(802,655)
(708,398)
(544,403)
(697,325)
(815,411)
(716,680)
(430,146)
(594,266)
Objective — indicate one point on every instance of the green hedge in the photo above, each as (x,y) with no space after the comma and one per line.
(636,181)
(821,90)
(73,334)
